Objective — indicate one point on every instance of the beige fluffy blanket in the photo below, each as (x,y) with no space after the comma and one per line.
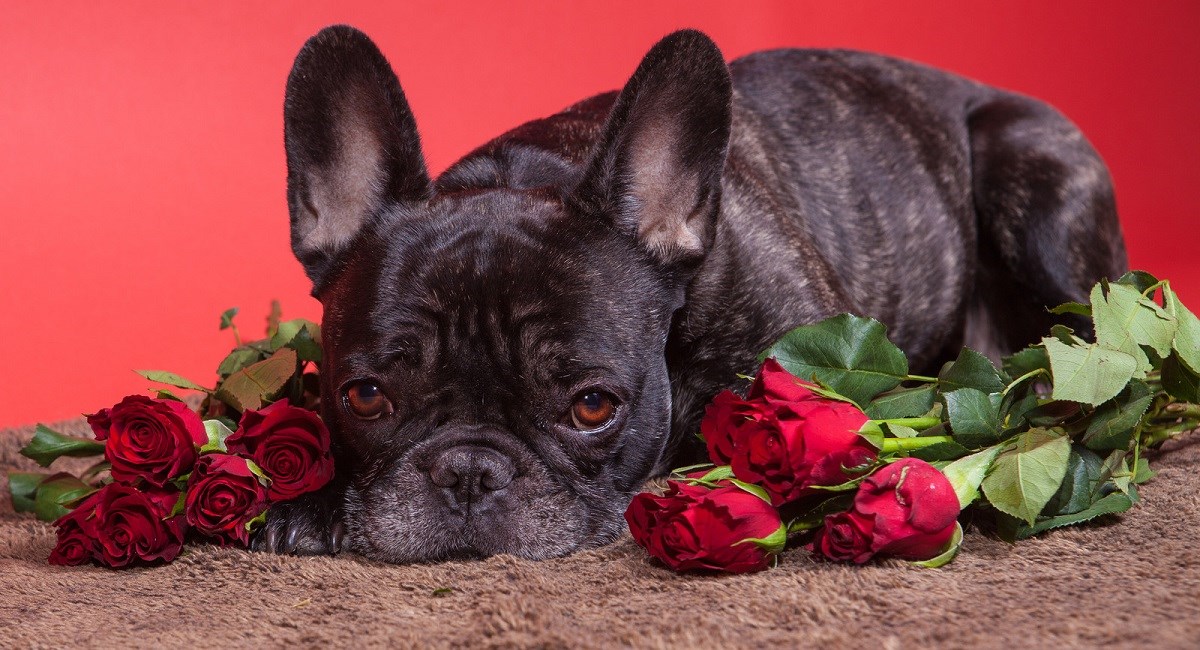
(1133,581)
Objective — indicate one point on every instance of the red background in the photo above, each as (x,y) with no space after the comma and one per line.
(142,168)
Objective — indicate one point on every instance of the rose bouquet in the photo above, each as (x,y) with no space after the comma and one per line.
(168,473)
(836,447)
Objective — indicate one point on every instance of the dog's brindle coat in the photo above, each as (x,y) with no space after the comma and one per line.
(645,245)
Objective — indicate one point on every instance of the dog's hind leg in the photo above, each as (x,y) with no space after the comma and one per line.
(1047,222)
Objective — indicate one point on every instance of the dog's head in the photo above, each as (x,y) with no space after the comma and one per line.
(494,370)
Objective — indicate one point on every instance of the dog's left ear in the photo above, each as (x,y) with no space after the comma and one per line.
(656,171)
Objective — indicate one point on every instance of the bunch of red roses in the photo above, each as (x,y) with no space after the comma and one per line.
(169,471)
(173,473)
(791,450)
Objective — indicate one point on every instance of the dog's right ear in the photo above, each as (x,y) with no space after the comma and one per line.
(655,173)
(352,146)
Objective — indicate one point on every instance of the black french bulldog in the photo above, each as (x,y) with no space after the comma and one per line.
(514,348)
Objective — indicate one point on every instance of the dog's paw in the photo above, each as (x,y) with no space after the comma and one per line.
(309,525)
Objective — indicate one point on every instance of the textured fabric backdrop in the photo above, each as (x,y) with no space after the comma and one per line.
(1133,581)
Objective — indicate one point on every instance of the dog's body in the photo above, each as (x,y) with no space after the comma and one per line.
(637,251)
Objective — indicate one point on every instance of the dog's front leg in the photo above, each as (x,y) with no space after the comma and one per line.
(308,525)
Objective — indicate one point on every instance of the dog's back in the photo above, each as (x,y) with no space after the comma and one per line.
(864,183)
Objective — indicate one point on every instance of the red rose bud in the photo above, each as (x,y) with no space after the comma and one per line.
(76,535)
(774,384)
(290,444)
(223,495)
(845,537)
(693,527)
(722,418)
(151,439)
(131,525)
(907,509)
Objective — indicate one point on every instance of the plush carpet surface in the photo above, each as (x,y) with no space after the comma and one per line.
(1132,581)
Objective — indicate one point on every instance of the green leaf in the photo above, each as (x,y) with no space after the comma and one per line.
(1065,335)
(852,484)
(1142,472)
(752,489)
(1186,343)
(825,391)
(1026,476)
(1139,280)
(1178,381)
(894,430)
(254,385)
(772,543)
(966,473)
(48,444)
(1126,321)
(872,432)
(165,393)
(257,521)
(1017,413)
(217,433)
(180,505)
(851,355)
(1111,504)
(971,370)
(172,379)
(273,318)
(718,473)
(1080,485)
(815,517)
(303,336)
(258,471)
(948,554)
(95,470)
(681,472)
(1031,358)
(1112,425)
(240,358)
(22,486)
(974,417)
(940,451)
(227,317)
(1072,308)
(902,403)
(1053,413)
(54,493)
(1089,374)
(1116,471)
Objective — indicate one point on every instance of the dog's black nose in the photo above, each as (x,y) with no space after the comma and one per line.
(471,471)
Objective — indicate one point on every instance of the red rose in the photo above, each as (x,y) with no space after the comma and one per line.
(723,417)
(223,495)
(784,437)
(728,412)
(907,509)
(845,537)
(693,527)
(76,535)
(290,444)
(151,439)
(131,525)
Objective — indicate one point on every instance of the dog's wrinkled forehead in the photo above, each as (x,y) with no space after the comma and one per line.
(507,279)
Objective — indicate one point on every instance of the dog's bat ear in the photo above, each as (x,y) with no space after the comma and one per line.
(656,171)
(352,145)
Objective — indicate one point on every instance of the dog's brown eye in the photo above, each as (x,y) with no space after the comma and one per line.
(592,409)
(366,400)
